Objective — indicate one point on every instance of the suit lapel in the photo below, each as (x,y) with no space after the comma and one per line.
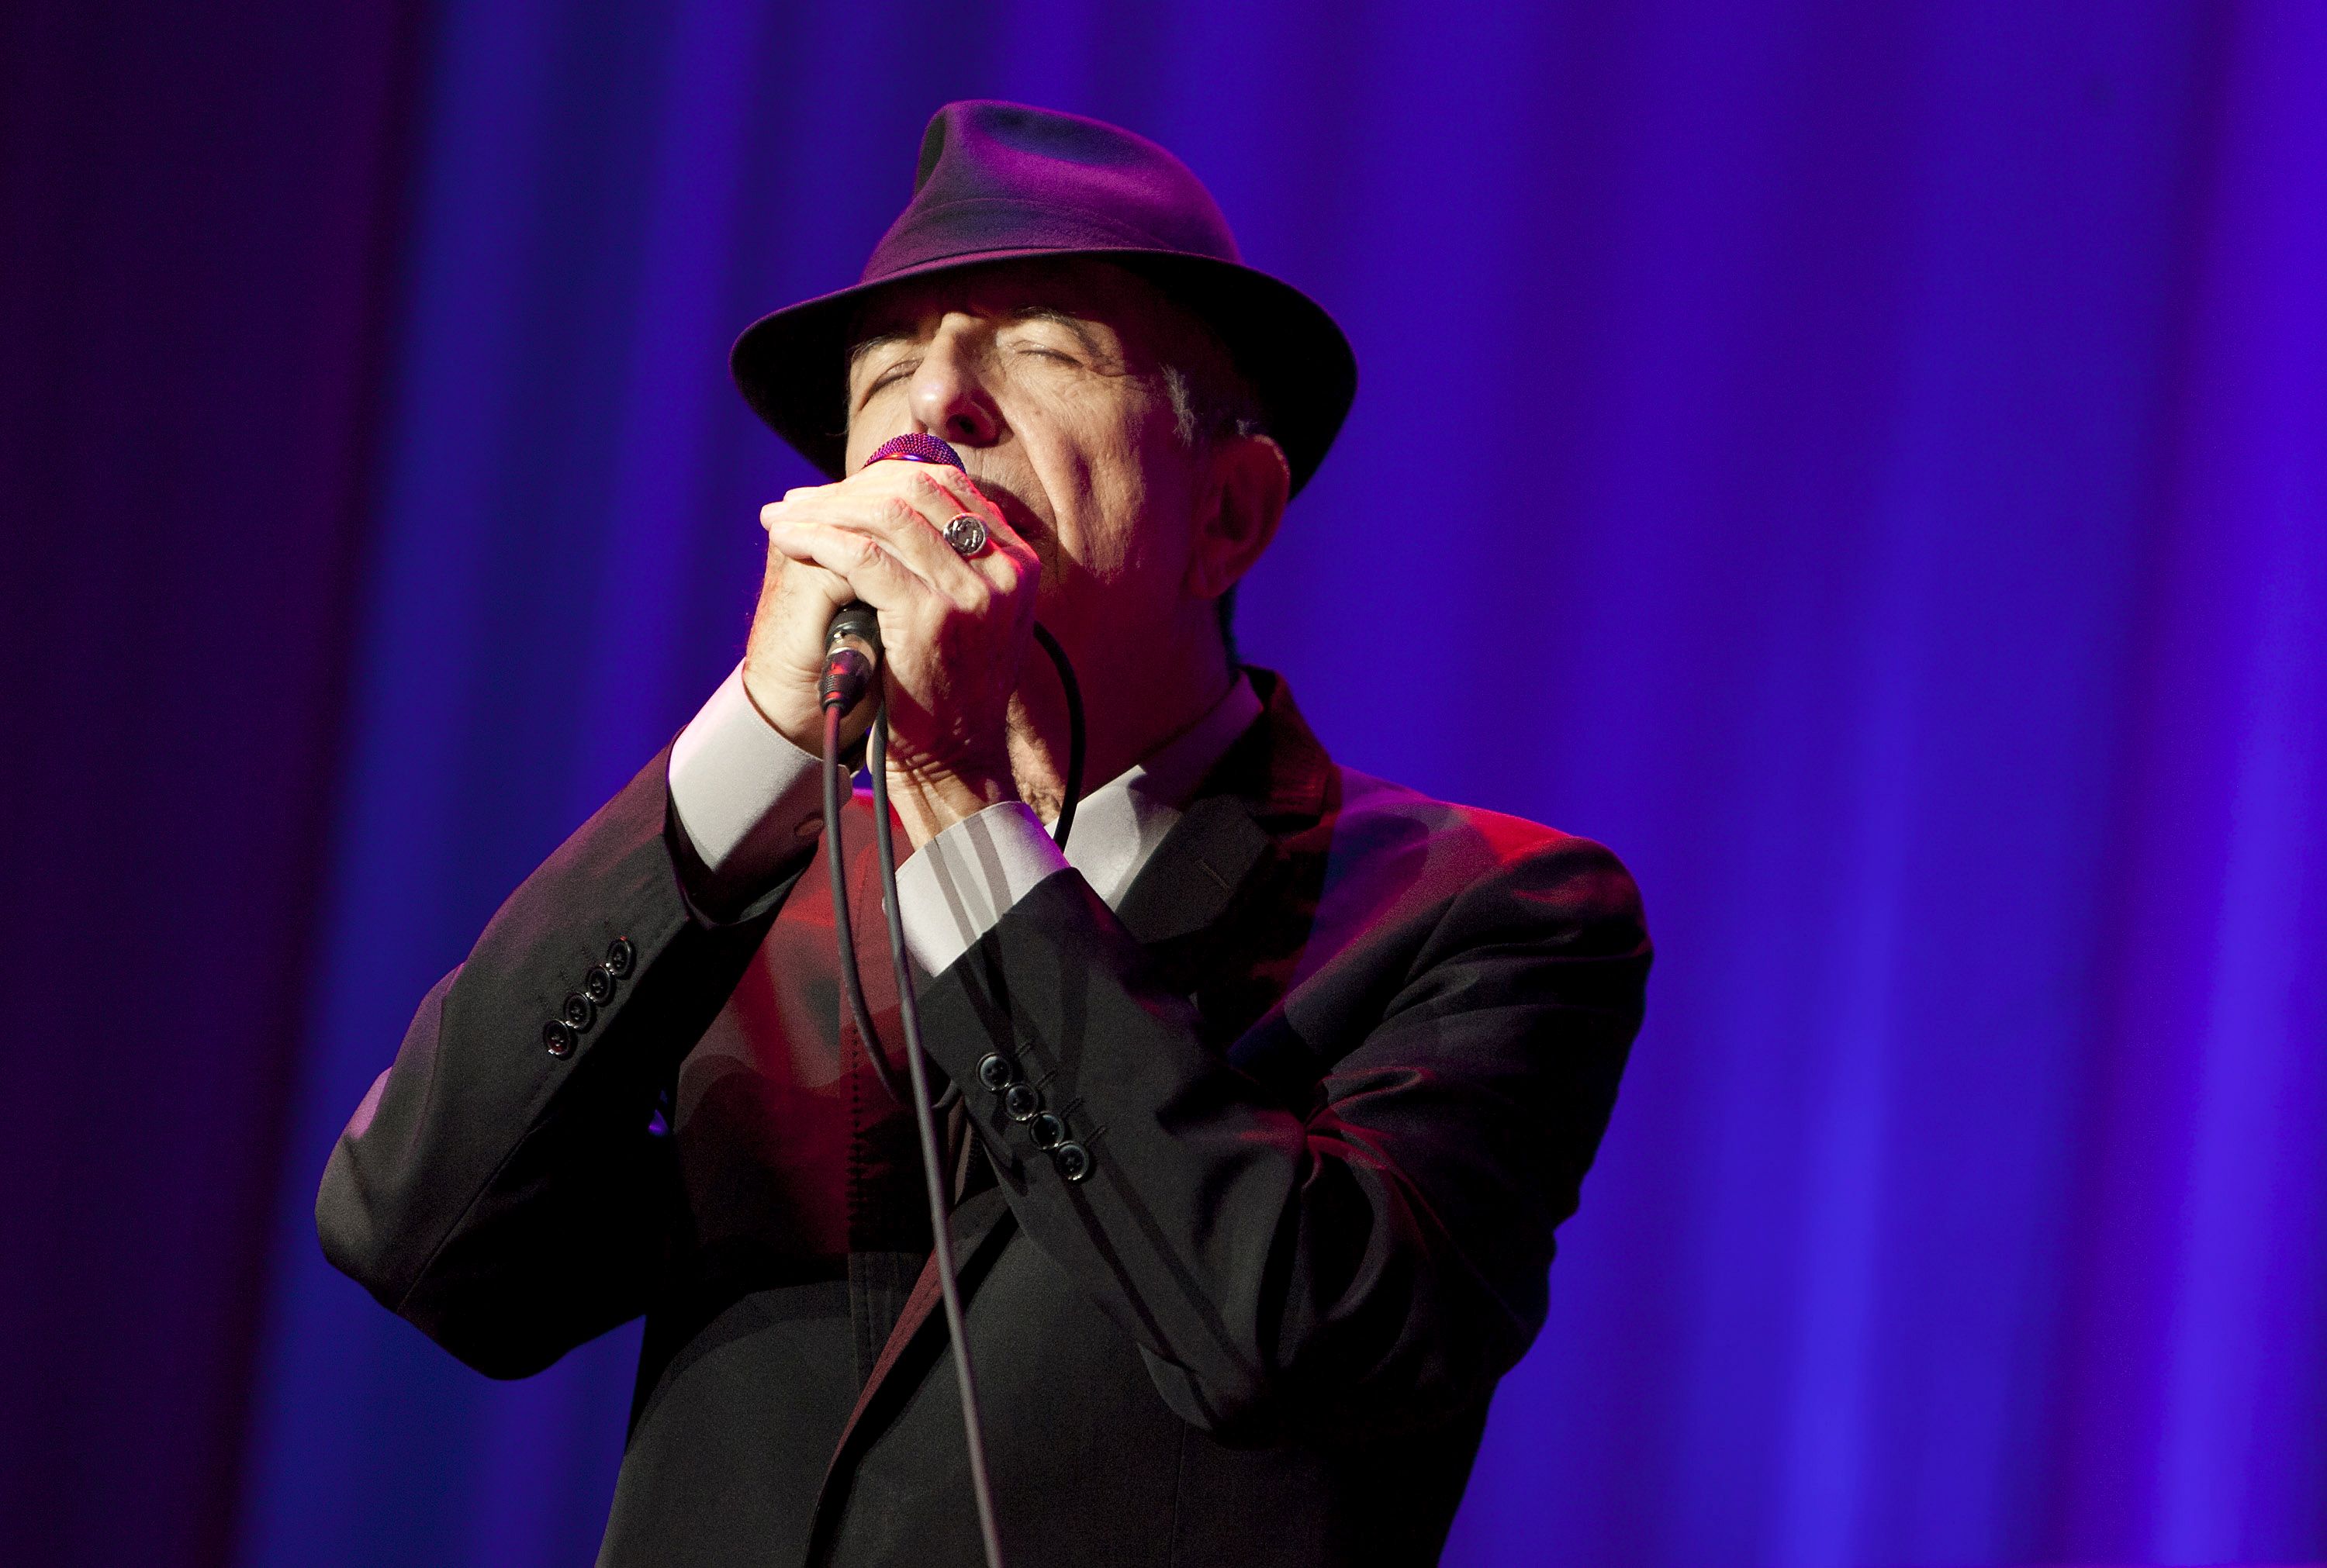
(1269,787)
(1225,905)
(1197,873)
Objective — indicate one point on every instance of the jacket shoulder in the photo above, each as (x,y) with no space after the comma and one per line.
(1428,877)
(1389,830)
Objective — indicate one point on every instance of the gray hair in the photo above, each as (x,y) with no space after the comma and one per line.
(1210,401)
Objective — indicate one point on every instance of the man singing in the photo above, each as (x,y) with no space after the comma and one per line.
(1265,1095)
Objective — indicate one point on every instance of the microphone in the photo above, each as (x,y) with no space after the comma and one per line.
(852,643)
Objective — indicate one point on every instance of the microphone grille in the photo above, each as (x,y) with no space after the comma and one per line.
(918,447)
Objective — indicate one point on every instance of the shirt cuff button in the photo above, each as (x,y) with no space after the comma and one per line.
(1073,1161)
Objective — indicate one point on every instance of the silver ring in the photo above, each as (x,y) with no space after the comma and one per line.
(967,535)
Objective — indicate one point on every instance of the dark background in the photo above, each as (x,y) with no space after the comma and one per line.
(1885,447)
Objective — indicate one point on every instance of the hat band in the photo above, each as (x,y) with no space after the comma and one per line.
(999,223)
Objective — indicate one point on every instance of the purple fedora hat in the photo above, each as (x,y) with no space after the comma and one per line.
(999,181)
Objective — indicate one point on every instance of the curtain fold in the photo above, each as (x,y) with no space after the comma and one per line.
(199,217)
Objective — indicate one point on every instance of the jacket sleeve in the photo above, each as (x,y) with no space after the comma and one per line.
(1367,1253)
(510,1200)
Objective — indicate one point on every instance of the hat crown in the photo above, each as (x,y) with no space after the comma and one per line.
(999,181)
(996,177)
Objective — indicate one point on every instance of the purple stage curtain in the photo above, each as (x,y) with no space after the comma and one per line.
(198,216)
(1883,450)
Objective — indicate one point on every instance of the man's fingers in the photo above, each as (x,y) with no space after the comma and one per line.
(905,525)
(870,569)
(939,490)
(896,526)
(966,580)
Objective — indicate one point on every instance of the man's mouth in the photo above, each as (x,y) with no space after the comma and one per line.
(1022,517)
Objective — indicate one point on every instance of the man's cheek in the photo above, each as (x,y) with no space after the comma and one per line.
(867,431)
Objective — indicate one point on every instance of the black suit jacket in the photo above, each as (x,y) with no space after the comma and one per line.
(1337,1066)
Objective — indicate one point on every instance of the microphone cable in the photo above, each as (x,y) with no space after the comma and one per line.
(848,674)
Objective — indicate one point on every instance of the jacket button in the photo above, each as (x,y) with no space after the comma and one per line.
(579,1011)
(619,956)
(559,1039)
(1021,1102)
(996,1071)
(1047,1131)
(598,985)
(1073,1161)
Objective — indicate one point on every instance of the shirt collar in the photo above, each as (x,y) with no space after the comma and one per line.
(1118,825)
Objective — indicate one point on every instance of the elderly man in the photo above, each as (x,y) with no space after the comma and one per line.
(1267,1093)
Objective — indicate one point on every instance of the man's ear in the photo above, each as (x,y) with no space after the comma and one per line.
(1249,484)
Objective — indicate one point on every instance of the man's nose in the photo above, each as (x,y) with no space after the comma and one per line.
(949,398)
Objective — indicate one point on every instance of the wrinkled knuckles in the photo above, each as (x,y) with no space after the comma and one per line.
(866,553)
(897,513)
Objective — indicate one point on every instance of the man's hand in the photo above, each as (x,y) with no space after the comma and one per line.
(954,631)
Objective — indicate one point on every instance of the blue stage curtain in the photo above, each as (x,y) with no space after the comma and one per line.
(198,217)
(1884,449)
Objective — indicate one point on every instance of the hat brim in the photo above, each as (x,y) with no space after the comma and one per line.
(791,365)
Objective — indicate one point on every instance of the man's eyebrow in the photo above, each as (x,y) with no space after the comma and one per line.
(1057,317)
(900,332)
(876,340)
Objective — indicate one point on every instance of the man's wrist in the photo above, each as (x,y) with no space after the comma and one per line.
(928,801)
(744,797)
(800,722)
(960,884)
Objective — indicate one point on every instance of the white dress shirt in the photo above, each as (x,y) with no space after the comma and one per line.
(748,798)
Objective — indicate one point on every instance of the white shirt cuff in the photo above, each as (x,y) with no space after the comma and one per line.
(747,798)
(960,884)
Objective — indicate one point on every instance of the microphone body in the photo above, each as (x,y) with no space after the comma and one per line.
(852,653)
(852,643)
